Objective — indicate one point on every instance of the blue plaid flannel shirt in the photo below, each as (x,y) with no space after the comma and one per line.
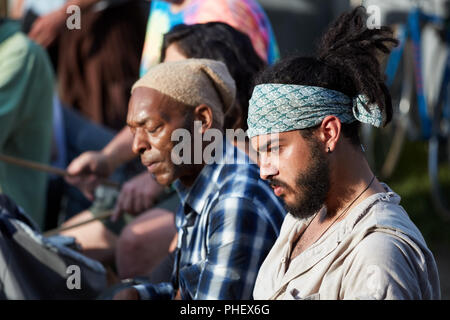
(227,223)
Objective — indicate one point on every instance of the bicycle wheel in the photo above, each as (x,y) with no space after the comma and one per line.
(439,156)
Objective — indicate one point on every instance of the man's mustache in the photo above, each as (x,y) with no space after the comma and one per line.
(277,183)
(148,158)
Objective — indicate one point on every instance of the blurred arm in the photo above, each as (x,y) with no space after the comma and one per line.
(87,169)
(46,28)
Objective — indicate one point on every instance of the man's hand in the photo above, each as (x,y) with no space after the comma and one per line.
(46,28)
(137,195)
(87,170)
(127,294)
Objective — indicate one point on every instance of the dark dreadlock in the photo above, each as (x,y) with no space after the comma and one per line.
(346,61)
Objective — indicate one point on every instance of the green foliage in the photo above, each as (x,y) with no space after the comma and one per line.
(411,181)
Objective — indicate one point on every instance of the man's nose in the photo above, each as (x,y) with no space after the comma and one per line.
(140,142)
(267,169)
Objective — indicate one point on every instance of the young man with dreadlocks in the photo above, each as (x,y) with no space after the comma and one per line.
(346,236)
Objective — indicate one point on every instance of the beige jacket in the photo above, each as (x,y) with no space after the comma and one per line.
(375,252)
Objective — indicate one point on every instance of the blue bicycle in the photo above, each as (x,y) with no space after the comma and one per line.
(419,112)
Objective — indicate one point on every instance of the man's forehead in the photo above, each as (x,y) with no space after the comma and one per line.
(151,100)
(264,140)
(150,103)
(144,103)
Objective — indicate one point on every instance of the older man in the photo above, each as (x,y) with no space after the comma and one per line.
(346,236)
(246,16)
(228,218)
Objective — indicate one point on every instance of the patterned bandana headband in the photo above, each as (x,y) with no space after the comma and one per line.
(276,108)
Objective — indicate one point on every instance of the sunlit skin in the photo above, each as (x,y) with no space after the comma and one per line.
(173,53)
(152,117)
(280,156)
(283,156)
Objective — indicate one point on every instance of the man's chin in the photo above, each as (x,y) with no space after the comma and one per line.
(163,179)
(302,212)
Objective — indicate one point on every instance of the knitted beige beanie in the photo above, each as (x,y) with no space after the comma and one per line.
(194,82)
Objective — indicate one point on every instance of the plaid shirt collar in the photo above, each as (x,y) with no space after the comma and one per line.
(195,197)
(205,184)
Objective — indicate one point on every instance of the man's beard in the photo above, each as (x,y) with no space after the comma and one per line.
(311,186)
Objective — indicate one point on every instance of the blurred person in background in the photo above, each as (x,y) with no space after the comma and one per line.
(26,91)
(244,15)
(98,84)
(95,67)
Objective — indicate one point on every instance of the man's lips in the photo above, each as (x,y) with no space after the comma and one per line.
(151,166)
(278,187)
(278,190)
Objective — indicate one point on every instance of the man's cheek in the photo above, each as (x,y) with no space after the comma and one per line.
(165,176)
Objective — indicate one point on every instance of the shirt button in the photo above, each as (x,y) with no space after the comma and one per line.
(283,260)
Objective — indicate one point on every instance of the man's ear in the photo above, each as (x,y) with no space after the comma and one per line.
(204,114)
(329,132)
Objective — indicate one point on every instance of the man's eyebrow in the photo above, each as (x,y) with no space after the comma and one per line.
(266,145)
(139,122)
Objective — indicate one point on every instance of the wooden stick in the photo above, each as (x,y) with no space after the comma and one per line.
(167,194)
(49,169)
(102,216)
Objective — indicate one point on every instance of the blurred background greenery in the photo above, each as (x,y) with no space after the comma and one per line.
(410,180)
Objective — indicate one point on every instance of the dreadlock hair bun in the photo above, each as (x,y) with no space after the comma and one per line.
(352,48)
(347,60)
